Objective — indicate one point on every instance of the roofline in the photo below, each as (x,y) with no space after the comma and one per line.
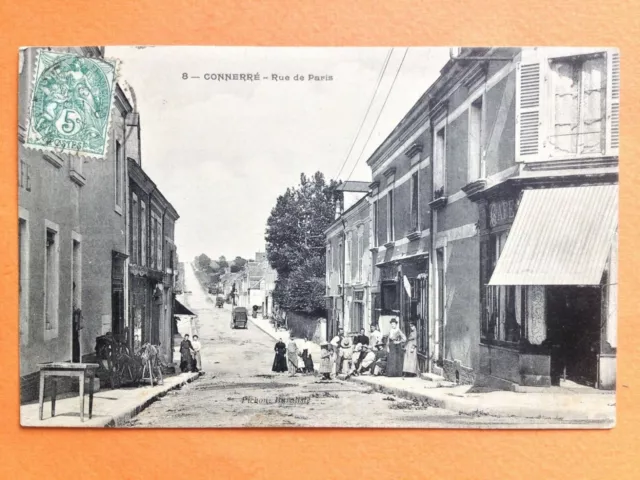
(422,105)
(344,214)
(155,191)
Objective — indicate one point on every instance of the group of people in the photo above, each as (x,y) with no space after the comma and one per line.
(394,355)
(190,359)
(293,357)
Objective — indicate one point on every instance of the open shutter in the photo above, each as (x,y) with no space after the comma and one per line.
(613,103)
(528,111)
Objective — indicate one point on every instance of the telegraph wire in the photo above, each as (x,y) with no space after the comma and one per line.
(379,114)
(355,139)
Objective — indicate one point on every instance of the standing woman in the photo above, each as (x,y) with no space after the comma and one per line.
(396,353)
(292,356)
(410,366)
(306,357)
(280,360)
(186,359)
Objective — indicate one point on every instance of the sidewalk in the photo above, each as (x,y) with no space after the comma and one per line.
(111,408)
(569,406)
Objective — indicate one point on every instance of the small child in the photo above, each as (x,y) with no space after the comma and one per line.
(346,351)
(325,361)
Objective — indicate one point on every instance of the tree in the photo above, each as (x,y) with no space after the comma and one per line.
(203,262)
(296,242)
(222,262)
(239,262)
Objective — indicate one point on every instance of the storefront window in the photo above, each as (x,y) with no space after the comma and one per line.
(505,305)
(390,299)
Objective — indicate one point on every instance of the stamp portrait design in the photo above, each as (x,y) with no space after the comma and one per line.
(71,104)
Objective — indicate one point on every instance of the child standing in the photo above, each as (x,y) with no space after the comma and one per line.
(325,361)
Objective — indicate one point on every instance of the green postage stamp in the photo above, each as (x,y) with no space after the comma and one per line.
(71,103)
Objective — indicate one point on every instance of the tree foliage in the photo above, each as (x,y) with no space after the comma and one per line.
(203,262)
(296,243)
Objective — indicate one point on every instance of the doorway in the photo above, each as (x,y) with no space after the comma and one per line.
(573,331)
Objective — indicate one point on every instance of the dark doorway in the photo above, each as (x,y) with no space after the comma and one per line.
(573,332)
(75,340)
(117,293)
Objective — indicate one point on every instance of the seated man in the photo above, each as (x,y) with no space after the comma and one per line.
(380,363)
(366,364)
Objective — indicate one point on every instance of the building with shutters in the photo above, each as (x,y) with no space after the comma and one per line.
(348,261)
(494,218)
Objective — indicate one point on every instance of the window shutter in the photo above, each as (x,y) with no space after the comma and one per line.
(613,103)
(528,111)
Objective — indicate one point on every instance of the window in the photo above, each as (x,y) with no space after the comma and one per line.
(348,251)
(375,224)
(504,306)
(328,261)
(389,299)
(118,173)
(475,140)
(143,233)
(152,240)
(135,228)
(357,318)
(415,226)
(23,275)
(439,163)
(578,105)
(340,261)
(360,251)
(159,243)
(390,222)
(51,280)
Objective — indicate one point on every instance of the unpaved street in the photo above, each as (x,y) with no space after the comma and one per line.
(239,389)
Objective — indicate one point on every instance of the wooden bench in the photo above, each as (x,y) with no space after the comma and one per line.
(63,369)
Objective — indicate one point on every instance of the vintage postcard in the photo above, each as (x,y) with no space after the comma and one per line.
(418,237)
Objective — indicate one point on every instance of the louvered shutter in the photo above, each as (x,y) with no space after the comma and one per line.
(528,111)
(613,103)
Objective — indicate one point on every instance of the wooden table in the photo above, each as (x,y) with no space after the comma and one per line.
(63,369)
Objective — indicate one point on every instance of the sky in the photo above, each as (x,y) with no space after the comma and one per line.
(223,151)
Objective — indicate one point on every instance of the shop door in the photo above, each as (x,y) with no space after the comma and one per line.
(423,315)
(117,293)
(573,331)
(440,309)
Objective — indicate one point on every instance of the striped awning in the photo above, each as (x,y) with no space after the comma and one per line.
(560,236)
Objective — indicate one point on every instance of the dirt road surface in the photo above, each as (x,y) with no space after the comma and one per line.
(238,388)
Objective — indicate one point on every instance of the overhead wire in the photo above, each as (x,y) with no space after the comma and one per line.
(379,114)
(375,92)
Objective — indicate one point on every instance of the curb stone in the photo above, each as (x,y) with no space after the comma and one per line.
(121,419)
(462,408)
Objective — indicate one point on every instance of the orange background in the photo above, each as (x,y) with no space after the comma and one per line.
(308,454)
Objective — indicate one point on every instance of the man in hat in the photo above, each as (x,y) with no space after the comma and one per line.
(379,365)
